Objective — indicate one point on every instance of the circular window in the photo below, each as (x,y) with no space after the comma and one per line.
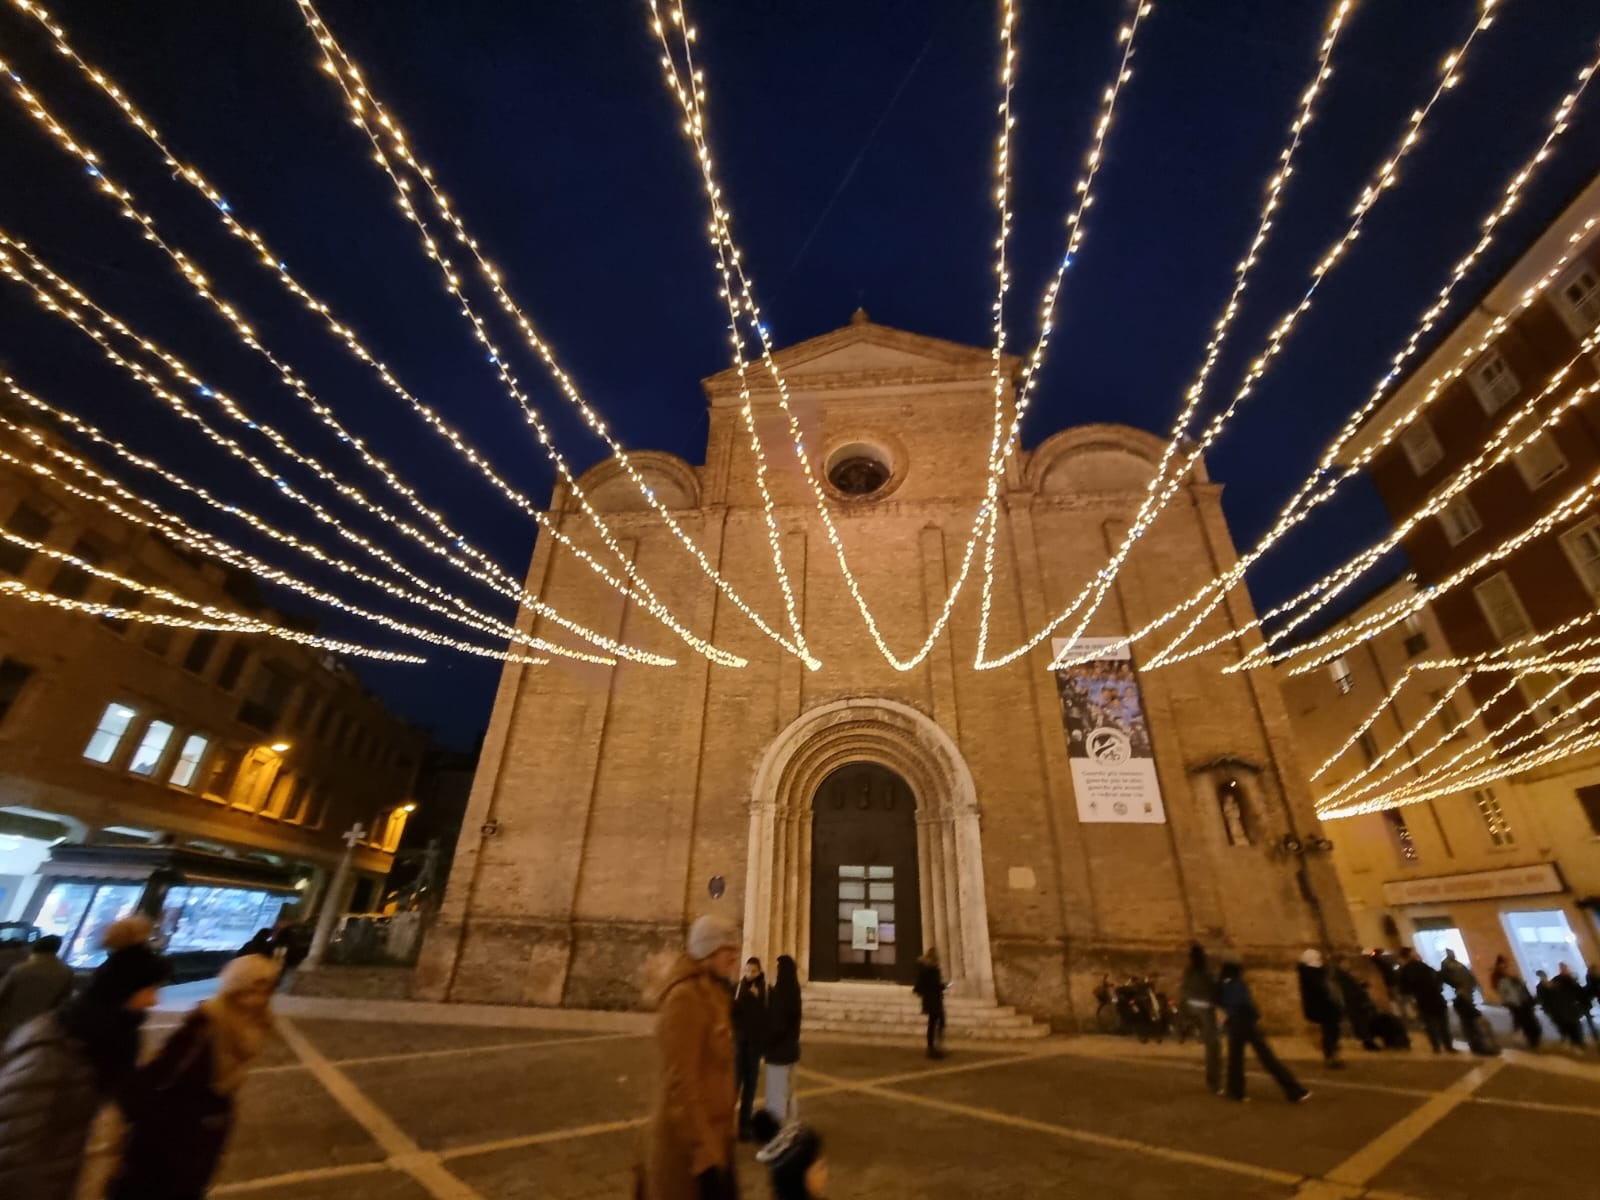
(859,470)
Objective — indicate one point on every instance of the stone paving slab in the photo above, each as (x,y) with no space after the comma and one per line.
(888,1151)
(1476,1153)
(343,1040)
(864,1061)
(1172,1109)
(511,1093)
(1544,1087)
(597,1167)
(381,1184)
(287,1122)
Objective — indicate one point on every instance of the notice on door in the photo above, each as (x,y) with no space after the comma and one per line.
(864,929)
(1108,737)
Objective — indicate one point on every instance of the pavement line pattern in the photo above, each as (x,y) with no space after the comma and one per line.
(408,1055)
(404,1154)
(1103,1140)
(289,1178)
(1366,1163)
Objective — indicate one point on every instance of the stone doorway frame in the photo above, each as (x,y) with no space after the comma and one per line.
(954,905)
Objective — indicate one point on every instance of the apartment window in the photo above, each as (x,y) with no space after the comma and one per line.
(232,666)
(125,598)
(1502,608)
(14,677)
(1449,716)
(315,808)
(152,748)
(1416,636)
(1404,845)
(220,771)
(1579,297)
(1582,546)
(1342,679)
(159,640)
(1369,746)
(26,522)
(1540,461)
(108,734)
(1544,695)
(1421,447)
(1459,519)
(189,759)
(1494,817)
(1589,801)
(71,581)
(1492,381)
(199,652)
(268,695)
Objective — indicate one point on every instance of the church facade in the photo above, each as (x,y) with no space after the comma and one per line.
(1040,829)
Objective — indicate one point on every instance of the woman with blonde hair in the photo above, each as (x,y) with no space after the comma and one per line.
(180,1106)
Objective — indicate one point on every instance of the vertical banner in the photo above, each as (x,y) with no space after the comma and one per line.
(1108,737)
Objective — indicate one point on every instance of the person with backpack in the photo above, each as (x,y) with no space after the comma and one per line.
(1421,982)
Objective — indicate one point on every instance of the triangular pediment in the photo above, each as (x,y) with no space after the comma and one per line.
(865,350)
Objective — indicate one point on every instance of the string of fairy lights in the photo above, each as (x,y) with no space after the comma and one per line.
(1503,746)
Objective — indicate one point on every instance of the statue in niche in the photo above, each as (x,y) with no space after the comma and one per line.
(1231,798)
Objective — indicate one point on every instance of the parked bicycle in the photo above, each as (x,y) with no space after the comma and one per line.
(1136,1008)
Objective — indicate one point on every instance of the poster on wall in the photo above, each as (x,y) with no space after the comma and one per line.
(1108,736)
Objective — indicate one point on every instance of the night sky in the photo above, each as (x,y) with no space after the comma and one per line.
(855,144)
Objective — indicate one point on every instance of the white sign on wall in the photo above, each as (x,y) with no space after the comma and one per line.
(1108,736)
(1537,880)
(864,929)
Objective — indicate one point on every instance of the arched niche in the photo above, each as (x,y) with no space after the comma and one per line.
(1097,458)
(608,487)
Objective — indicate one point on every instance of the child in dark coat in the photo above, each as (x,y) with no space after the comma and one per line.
(793,1158)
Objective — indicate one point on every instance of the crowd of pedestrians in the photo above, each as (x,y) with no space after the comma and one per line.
(67,1055)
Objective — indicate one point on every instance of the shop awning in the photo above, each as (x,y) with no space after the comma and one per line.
(179,865)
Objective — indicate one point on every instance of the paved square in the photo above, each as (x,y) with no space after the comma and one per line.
(541,1107)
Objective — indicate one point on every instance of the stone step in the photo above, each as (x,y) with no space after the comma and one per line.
(914,1031)
(887,1010)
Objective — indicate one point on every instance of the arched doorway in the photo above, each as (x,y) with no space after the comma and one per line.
(864,861)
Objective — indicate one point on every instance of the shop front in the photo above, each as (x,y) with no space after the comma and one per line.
(1526,912)
(204,906)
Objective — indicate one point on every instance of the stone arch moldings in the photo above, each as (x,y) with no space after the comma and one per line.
(954,905)
(609,489)
(1110,457)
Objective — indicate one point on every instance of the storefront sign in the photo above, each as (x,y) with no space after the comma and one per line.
(1539,879)
(864,929)
(1108,737)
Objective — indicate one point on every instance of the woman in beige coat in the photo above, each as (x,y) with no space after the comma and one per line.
(695,1125)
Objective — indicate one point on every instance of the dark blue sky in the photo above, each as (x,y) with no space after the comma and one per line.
(551,130)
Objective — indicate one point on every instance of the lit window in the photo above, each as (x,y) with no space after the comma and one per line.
(1579,300)
(1502,608)
(1459,519)
(1582,546)
(1340,670)
(108,734)
(151,747)
(189,759)
(1540,461)
(1493,382)
(1421,447)
(1494,817)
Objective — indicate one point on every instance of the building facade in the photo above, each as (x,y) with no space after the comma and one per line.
(1503,868)
(1495,379)
(856,814)
(227,768)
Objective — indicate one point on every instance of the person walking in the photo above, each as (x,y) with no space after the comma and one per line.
(59,1068)
(1421,982)
(930,987)
(1514,994)
(1457,974)
(1591,997)
(1563,1000)
(1319,1006)
(694,1126)
(180,1106)
(35,986)
(1198,993)
(1243,1021)
(1464,984)
(783,1038)
(749,1038)
(1357,1003)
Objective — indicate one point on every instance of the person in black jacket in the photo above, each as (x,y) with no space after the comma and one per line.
(59,1068)
(930,987)
(1357,1003)
(783,1037)
(180,1105)
(1422,983)
(1318,1004)
(749,1038)
(1244,1029)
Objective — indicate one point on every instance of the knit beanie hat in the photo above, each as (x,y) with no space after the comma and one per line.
(788,1157)
(125,973)
(709,934)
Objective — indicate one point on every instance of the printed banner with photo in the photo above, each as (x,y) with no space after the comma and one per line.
(1108,737)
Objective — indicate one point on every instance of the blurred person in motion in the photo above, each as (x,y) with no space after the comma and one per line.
(792,1154)
(1244,1029)
(1422,983)
(35,986)
(58,1069)
(180,1106)
(749,1038)
(1320,1007)
(1514,994)
(783,1038)
(1198,992)
(930,987)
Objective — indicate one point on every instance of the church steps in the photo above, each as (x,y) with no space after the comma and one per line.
(888,1011)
